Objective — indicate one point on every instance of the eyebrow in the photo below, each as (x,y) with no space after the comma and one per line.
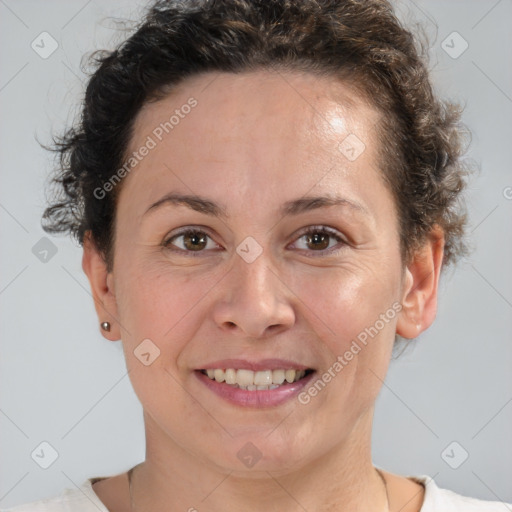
(292,207)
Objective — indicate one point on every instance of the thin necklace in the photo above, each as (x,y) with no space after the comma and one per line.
(385,487)
(130,472)
(132,506)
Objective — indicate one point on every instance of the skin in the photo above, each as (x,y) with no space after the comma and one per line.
(254,141)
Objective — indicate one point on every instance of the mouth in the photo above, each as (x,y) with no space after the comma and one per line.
(257,389)
(264,380)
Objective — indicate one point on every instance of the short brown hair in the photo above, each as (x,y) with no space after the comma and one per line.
(359,42)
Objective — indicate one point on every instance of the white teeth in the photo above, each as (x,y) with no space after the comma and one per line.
(244,377)
(252,381)
(289,375)
(278,376)
(230,376)
(263,378)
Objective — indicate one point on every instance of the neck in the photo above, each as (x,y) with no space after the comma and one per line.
(344,479)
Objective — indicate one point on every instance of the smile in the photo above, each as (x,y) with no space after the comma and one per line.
(261,388)
(254,381)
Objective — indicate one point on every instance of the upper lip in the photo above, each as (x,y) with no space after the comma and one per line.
(260,365)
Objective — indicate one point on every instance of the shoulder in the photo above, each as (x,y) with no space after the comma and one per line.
(82,499)
(443,500)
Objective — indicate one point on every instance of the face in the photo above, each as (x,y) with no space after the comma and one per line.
(240,277)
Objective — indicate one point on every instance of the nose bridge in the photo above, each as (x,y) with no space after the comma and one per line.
(255,276)
(253,264)
(256,298)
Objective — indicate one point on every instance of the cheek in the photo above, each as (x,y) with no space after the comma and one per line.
(344,302)
(354,315)
(161,303)
(157,305)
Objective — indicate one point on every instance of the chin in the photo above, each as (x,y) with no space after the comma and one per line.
(256,453)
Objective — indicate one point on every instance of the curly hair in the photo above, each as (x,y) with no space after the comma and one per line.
(361,43)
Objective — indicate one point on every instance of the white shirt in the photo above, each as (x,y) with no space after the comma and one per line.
(436,499)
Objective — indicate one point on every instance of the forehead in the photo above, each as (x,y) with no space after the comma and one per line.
(251,131)
(264,98)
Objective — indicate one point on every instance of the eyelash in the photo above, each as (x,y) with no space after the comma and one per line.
(308,231)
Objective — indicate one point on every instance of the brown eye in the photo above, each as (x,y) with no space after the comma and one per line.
(318,239)
(192,240)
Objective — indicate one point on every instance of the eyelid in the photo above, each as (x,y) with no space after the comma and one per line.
(183,231)
(332,232)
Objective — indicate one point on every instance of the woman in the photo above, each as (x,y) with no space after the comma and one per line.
(267,193)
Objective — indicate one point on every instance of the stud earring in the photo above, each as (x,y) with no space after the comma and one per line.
(105,326)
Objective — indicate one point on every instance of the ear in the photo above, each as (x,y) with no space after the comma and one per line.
(102,287)
(420,284)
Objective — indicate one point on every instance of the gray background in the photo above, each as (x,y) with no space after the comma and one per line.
(61,382)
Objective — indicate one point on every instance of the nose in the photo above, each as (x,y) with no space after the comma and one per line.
(254,299)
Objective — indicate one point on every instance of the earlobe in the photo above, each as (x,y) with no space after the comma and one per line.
(102,288)
(419,291)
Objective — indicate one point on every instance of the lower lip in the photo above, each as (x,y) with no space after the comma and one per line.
(258,398)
